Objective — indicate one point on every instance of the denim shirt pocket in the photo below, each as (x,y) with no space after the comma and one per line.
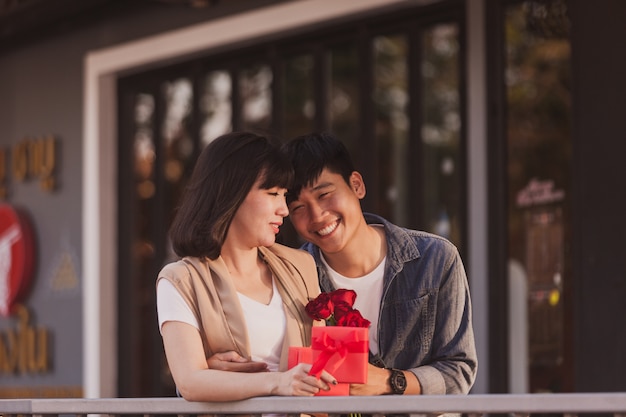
(414,325)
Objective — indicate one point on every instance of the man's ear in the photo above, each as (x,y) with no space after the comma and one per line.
(357,184)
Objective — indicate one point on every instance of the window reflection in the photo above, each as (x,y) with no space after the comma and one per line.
(298,96)
(177,140)
(441,127)
(143,146)
(538,100)
(392,124)
(141,246)
(178,146)
(144,181)
(215,106)
(343,105)
(255,89)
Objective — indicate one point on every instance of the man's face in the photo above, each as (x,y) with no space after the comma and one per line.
(328,212)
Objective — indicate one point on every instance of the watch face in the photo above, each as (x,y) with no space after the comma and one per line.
(398,382)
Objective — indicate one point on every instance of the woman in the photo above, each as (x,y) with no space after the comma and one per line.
(235,292)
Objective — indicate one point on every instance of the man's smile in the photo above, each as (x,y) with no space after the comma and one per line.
(325,231)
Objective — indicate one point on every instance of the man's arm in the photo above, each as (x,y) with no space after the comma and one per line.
(379,383)
(454,365)
(232,361)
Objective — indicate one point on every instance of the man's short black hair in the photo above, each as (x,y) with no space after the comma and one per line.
(310,154)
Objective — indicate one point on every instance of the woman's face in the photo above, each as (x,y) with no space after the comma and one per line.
(258,219)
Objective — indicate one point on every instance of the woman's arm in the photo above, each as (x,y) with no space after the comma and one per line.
(197,382)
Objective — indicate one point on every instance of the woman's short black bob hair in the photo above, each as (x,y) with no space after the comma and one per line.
(223,175)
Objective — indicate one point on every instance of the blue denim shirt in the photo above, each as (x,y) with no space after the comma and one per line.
(425,323)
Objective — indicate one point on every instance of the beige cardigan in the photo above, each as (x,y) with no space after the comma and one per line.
(206,287)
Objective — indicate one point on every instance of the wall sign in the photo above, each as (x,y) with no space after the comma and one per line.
(24,349)
(17,256)
(539,192)
(30,159)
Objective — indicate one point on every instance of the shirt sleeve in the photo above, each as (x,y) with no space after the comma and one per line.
(172,307)
(454,369)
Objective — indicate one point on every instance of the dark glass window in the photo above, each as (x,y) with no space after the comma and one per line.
(442,156)
(389,87)
(343,106)
(298,95)
(391,98)
(538,101)
(216,106)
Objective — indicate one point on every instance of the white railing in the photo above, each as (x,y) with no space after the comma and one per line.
(471,405)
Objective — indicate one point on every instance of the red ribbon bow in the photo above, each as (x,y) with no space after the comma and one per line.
(330,347)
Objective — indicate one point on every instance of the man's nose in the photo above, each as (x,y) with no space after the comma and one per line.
(316,211)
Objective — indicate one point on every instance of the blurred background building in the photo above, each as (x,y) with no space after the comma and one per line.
(496,123)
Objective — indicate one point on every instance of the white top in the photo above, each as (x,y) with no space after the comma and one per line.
(266,323)
(369,290)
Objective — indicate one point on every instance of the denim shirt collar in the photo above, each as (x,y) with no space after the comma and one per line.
(401,248)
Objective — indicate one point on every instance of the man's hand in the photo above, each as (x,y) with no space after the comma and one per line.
(232,361)
(377,382)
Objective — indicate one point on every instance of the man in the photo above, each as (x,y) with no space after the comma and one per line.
(410,284)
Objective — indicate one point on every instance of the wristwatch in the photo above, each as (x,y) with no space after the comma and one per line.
(397,380)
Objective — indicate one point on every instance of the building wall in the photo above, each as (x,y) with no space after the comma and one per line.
(41,94)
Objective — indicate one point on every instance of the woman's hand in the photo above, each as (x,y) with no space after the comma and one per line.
(298,382)
(234,362)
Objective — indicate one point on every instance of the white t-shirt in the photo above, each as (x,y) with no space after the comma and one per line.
(369,290)
(266,323)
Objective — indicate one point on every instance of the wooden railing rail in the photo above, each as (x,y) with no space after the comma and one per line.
(472,405)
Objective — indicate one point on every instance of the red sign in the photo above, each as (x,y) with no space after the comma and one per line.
(17,260)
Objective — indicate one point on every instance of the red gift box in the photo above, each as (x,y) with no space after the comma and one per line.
(341,351)
(305,355)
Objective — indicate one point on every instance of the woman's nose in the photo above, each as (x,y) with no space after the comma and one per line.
(283,210)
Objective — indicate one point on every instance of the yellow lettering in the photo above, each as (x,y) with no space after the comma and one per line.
(42,161)
(48,162)
(26,348)
(9,354)
(31,158)
(20,160)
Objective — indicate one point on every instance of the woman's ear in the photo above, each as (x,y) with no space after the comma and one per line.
(357,184)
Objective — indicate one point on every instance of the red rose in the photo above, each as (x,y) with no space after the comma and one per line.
(336,309)
(342,296)
(353,318)
(320,308)
(341,310)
